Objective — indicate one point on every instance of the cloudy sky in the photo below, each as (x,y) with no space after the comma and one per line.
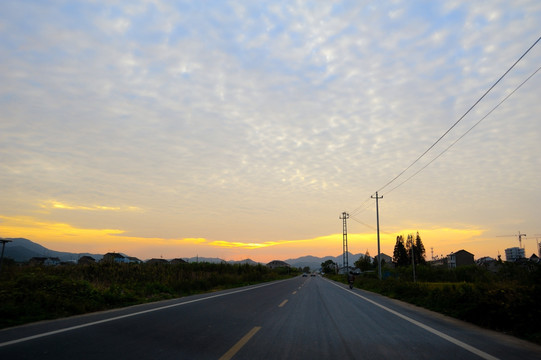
(239,129)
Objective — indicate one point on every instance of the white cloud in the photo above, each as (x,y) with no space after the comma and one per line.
(280,106)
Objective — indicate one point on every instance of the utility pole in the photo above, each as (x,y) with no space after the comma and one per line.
(345,264)
(377,219)
(4,242)
(413,261)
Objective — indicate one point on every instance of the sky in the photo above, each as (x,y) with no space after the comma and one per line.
(244,129)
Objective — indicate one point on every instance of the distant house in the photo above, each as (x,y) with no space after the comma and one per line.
(460,258)
(441,261)
(134,260)
(274,264)
(385,259)
(85,260)
(489,263)
(178,261)
(48,261)
(343,270)
(114,258)
(157,261)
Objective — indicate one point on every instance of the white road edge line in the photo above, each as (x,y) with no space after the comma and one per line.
(451,339)
(54,332)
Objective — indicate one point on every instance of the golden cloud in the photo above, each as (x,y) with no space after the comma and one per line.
(32,228)
(241,245)
(53,204)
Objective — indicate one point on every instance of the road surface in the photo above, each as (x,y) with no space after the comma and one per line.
(299,318)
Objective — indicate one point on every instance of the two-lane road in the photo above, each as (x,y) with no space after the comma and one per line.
(300,318)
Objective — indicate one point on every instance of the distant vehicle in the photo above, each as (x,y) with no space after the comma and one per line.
(304,275)
(312,274)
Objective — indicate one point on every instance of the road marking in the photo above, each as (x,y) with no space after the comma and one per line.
(54,332)
(235,349)
(283,303)
(294,292)
(451,339)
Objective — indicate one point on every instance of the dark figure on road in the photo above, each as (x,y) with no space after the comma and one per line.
(351,279)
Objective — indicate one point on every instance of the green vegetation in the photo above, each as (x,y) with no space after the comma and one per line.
(33,293)
(506,300)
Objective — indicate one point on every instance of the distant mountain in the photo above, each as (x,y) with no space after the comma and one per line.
(21,250)
(204,259)
(314,263)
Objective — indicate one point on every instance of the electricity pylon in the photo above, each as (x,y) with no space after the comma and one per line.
(345,263)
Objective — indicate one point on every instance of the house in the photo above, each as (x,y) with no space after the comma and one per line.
(439,261)
(48,261)
(489,263)
(157,261)
(134,260)
(274,264)
(115,258)
(343,270)
(85,260)
(460,258)
(385,259)
(178,261)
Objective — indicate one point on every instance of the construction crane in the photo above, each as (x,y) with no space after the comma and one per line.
(519,238)
(537,244)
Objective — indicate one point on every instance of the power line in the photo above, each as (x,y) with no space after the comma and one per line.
(460,119)
(361,207)
(470,129)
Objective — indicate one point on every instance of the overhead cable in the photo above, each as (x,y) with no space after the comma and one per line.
(460,119)
(470,129)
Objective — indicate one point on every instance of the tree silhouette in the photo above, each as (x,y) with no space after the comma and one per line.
(400,254)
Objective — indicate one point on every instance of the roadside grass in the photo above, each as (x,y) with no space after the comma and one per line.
(35,293)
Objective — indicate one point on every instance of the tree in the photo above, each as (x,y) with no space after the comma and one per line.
(306,269)
(418,253)
(364,262)
(419,250)
(400,254)
(328,267)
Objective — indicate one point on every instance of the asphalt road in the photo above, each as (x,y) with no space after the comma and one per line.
(300,318)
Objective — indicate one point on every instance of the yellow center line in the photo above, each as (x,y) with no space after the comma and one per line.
(294,292)
(228,355)
(283,303)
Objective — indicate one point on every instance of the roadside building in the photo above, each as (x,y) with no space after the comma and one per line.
(115,258)
(85,260)
(157,261)
(514,254)
(386,260)
(48,261)
(274,264)
(438,261)
(178,261)
(489,263)
(460,258)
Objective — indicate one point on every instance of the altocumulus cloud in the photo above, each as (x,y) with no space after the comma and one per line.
(264,117)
